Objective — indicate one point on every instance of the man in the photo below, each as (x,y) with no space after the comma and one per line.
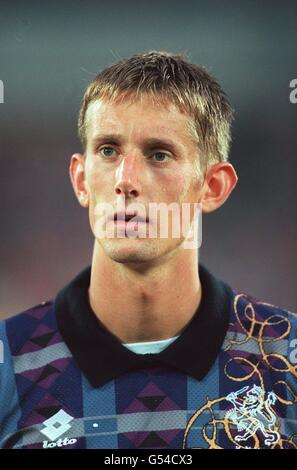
(146,348)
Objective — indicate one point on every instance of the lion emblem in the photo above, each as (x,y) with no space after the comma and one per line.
(251,413)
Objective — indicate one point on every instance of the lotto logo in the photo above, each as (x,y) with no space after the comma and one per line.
(57,425)
(59,443)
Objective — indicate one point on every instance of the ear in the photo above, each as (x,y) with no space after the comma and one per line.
(77,177)
(219,182)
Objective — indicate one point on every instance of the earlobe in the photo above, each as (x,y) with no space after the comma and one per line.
(84,200)
(77,177)
(220,181)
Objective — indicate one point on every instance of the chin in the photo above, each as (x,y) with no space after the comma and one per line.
(129,250)
(138,250)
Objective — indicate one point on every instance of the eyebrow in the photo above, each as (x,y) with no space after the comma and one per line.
(149,143)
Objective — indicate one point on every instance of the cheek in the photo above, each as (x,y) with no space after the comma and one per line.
(92,174)
(95,182)
(176,186)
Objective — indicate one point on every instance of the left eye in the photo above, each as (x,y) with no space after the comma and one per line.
(160,156)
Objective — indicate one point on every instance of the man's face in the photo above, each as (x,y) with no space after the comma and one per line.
(139,152)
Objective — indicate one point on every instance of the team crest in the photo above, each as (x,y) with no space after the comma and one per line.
(252,413)
(250,423)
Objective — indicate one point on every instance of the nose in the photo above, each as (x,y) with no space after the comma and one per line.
(127,181)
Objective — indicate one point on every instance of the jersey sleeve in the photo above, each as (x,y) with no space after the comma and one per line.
(9,405)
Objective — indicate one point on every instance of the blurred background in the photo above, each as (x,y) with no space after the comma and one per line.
(49,52)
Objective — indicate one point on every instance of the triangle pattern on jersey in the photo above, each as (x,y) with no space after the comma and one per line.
(43,340)
(47,371)
(45,376)
(42,336)
(40,311)
(167,439)
(161,438)
(152,403)
(153,441)
(48,412)
(150,398)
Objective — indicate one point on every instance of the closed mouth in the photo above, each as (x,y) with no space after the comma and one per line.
(128,217)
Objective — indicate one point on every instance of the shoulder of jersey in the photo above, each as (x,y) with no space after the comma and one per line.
(247,303)
(36,310)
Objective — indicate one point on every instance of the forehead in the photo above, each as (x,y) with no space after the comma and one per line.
(137,117)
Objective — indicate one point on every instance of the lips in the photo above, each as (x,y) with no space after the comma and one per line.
(126,217)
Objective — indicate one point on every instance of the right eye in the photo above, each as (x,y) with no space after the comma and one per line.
(107,151)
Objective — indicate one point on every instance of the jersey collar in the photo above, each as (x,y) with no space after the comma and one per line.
(102,357)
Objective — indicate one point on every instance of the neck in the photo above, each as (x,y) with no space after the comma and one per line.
(145,301)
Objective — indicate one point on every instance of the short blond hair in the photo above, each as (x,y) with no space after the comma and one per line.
(169,77)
